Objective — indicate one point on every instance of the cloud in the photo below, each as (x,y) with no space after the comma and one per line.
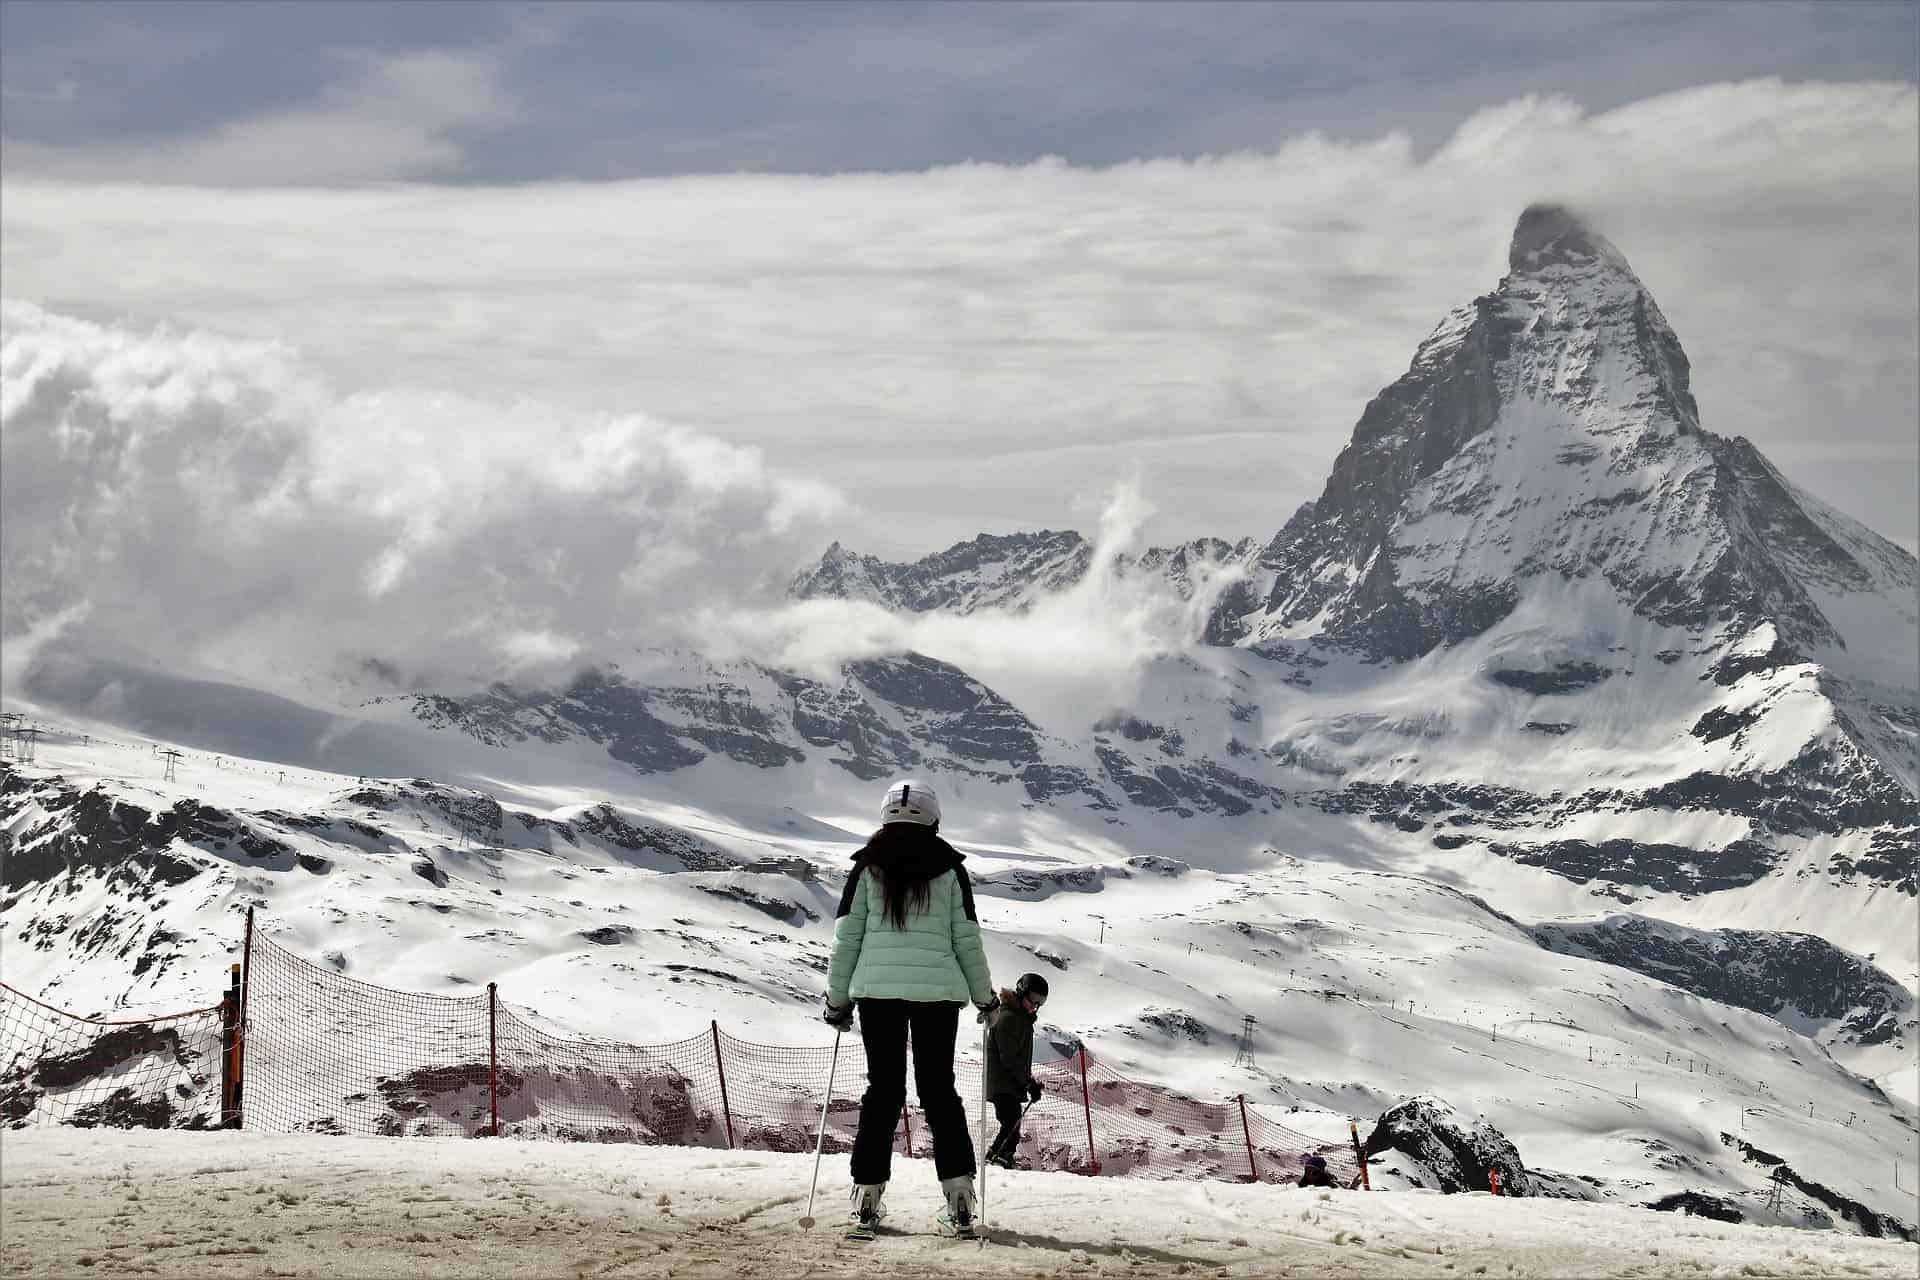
(213,505)
(1070,657)
(986,348)
(391,117)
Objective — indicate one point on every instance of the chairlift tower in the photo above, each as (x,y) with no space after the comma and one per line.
(23,740)
(172,757)
(1243,1057)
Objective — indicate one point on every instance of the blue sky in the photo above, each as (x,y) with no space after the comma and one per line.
(525,93)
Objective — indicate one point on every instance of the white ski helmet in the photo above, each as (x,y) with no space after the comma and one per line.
(910,801)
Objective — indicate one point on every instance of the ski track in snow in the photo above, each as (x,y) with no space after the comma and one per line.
(227,1204)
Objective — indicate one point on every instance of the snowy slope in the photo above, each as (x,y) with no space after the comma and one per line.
(241,1204)
(641,920)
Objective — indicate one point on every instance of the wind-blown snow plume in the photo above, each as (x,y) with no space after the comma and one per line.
(1064,657)
(213,504)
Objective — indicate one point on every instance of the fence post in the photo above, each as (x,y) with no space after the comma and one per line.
(493,1060)
(726,1108)
(1086,1105)
(240,1028)
(1353,1132)
(1253,1165)
(229,1017)
(906,1127)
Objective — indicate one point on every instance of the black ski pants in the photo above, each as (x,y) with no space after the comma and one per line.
(1007,1110)
(884,1026)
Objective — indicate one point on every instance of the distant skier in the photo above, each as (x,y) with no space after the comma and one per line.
(906,947)
(1313,1173)
(1010,1062)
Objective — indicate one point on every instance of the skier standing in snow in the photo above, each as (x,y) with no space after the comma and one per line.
(906,948)
(1010,1062)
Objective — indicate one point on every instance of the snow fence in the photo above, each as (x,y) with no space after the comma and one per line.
(319,1052)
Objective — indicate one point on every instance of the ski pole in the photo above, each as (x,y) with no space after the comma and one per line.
(986,1034)
(820,1141)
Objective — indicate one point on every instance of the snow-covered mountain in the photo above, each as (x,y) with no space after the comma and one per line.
(1573,728)
(1007,572)
(1634,1081)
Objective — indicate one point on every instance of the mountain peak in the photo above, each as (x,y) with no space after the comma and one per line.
(1549,234)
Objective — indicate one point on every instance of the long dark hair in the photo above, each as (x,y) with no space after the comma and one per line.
(905,857)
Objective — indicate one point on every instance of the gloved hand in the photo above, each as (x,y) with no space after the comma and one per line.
(986,1010)
(1033,1092)
(838,1016)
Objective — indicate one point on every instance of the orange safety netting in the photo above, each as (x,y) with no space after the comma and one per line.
(328,1053)
(137,1073)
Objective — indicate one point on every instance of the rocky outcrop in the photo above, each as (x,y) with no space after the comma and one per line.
(1452,1150)
(1794,975)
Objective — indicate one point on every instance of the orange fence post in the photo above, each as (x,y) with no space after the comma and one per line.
(720,1065)
(1493,1181)
(1253,1166)
(1086,1105)
(493,1060)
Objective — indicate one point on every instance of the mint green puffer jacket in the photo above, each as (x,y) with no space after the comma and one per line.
(937,956)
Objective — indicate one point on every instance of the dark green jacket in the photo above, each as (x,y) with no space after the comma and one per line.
(1009,1047)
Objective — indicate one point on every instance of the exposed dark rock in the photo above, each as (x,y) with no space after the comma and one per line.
(1870,1221)
(786,912)
(1179,1024)
(690,851)
(144,1103)
(1697,1204)
(1669,868)
(1567,677)
(1720,723)
(1458,1150)
(609,935)
(1752,969)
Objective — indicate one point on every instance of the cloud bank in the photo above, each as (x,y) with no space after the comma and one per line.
(212,505)
(991,348)
(451,435)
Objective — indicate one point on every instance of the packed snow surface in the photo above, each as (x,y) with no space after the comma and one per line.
(228,1204)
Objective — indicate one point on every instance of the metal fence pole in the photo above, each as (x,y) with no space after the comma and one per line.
(493,1060)
(726,1109)
(1253,1166)
(240,1030)
(1086,1105)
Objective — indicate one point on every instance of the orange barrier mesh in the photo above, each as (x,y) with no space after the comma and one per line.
(325,1053)
(135,1073)
(329,1053)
